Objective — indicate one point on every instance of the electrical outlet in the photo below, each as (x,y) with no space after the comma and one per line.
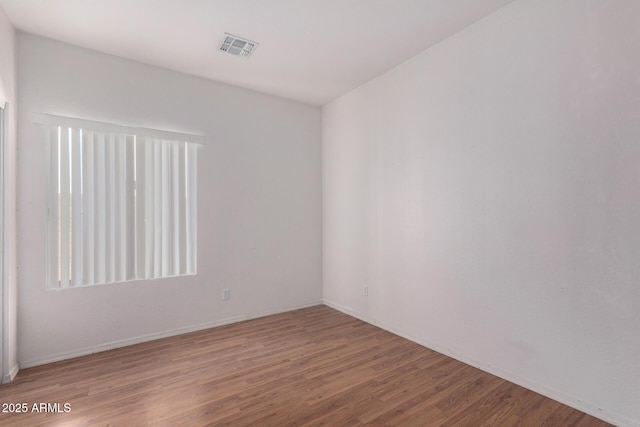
(365,291)
(226,294)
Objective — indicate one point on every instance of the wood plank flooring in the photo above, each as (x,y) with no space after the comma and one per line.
(308,367)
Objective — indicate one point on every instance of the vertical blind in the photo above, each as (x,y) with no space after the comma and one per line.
(121,203)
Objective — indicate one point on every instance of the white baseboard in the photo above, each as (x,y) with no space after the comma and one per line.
(11,375)
(150,337)
(552,393)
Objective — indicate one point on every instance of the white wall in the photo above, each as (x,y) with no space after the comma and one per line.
(259,196)
(9,288)
(487,191)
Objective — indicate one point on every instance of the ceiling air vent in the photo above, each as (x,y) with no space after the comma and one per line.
(238,46)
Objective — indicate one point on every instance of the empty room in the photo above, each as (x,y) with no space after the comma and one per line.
(320,212)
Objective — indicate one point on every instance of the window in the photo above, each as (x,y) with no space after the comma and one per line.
(121,203)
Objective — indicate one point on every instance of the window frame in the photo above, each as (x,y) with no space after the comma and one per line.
(163,152)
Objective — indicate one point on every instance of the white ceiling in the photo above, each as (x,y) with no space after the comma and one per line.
(310,50)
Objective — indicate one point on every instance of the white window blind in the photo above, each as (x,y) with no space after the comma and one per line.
(121,203)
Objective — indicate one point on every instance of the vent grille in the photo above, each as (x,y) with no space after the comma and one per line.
(238,46)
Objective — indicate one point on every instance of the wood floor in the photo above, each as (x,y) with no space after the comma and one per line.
(308,367)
